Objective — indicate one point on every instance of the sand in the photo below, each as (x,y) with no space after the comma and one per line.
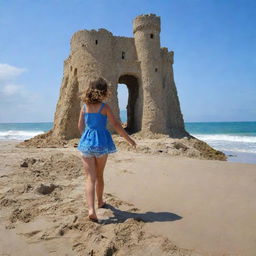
(158,204)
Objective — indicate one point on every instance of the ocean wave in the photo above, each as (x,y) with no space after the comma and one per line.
(228,142)
(233,149)
(226,137)
(18,135)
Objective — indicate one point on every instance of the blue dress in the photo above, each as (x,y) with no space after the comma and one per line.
(96,139)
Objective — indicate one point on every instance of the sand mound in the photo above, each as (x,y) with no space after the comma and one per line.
(188,146)
(46,189)
(44,140)
(163,144)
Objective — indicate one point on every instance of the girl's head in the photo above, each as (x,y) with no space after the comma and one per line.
(96,92)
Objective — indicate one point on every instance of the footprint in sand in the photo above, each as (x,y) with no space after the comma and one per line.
(123,160)
(30,234)
(126,171)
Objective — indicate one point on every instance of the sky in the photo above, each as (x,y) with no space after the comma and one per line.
(214,44)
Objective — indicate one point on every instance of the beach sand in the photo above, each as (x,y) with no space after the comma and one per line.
(157,205)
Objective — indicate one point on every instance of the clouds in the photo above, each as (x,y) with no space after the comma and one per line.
(10,89)
(8,72)
(14,97)
(8,76)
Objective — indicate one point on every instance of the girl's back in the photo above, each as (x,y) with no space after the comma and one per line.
(95,120)
(96,139)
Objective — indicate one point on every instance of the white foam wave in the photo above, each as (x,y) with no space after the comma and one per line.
(18,135)
(225,137)
(238,150)
(228,142)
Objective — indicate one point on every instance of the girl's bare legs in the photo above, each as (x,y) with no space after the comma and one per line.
(99,167)
(89,166)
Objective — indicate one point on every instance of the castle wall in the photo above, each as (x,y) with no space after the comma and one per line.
(129,73)
(68,105)
(174,117)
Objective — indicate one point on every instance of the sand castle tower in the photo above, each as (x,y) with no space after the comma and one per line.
(139,62)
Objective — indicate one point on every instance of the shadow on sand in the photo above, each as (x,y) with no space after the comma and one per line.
(121,216)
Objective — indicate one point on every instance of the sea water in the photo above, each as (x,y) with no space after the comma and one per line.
(22,131)
(236,139)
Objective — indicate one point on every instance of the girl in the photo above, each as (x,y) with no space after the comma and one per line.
(96,142)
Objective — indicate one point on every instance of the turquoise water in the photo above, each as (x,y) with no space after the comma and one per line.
(233,138)
(236,139)
(235,128)
(123,115)
(230,136)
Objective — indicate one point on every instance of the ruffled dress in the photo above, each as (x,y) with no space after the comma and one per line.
(96,138)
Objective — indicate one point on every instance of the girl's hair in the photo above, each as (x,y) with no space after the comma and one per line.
(96,92)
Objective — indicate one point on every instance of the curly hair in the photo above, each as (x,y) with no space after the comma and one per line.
(96,92)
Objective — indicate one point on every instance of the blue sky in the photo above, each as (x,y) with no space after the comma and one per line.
(214,44)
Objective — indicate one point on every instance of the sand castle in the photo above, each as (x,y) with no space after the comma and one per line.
(139,62)
(153,110)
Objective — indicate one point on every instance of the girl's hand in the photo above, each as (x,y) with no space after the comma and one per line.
(132,142)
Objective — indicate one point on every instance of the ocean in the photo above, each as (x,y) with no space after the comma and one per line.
(236,139)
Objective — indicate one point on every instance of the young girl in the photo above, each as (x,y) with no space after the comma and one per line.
(96,142)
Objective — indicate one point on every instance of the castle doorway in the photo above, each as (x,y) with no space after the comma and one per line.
(122,93)
(128,102)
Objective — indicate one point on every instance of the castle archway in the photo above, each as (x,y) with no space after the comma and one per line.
(133,123)
(122,93)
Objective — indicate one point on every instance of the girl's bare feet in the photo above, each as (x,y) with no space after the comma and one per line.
(92,216)
(102,205)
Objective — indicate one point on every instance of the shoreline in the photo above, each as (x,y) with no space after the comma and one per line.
(240,157)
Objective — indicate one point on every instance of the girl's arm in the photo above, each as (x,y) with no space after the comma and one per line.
(118,126)
(81,120)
